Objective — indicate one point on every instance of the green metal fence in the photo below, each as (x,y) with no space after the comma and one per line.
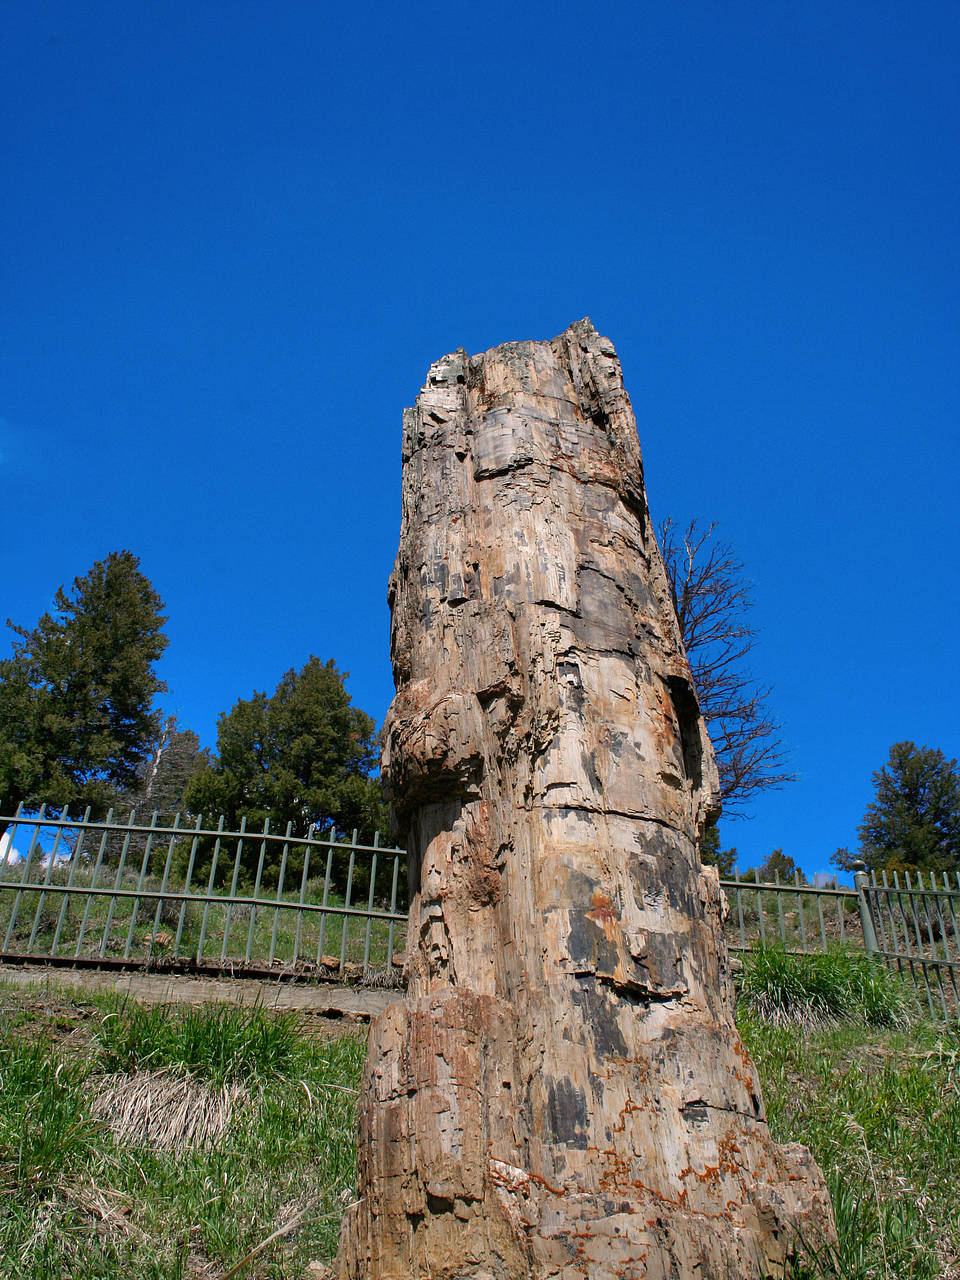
(798,916)
(195,896)
(912,926)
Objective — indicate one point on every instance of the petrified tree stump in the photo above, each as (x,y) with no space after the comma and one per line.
(562,1092)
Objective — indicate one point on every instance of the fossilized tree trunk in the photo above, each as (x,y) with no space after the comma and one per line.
(562,1092)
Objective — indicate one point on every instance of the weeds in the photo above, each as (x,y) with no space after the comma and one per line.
(945,1054)
(815,990)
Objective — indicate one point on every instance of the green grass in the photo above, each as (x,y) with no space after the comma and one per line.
(45,1131)
(218,1043)
(83,1201)
(880,1110)
(839,985)
(878,1105)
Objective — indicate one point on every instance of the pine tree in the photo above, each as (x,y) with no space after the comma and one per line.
(77,714)
(711,855)
(913,823)
(779,866)
(304,755)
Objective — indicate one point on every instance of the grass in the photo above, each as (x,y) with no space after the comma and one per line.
(880,1110)
(92,1191)
(874,1093)
(219,1044)
(839,985)
(89,1193)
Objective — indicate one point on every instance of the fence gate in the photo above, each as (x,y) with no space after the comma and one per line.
(913,927)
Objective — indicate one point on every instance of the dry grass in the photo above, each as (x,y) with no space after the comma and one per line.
(165,1109)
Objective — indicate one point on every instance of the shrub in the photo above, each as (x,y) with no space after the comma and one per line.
(840,985)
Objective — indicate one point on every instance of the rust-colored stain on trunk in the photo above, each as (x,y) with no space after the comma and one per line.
(602,913)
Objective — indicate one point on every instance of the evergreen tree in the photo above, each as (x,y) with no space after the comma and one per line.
(779,866)
(77,714)
(913,823)
(776,865)
(711,855)
(302,755)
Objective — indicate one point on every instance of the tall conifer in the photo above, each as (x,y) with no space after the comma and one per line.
(77,713)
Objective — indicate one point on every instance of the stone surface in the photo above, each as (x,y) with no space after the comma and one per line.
(562,1092)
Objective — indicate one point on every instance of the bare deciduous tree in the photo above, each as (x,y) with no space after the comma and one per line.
(712,599)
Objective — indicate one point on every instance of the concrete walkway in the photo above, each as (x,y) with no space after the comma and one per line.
(354,1004)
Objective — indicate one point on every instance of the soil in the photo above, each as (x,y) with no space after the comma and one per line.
(56,999)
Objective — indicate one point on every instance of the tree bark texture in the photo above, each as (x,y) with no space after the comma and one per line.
(562,1092)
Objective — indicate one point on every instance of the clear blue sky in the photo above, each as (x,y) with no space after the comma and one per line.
(236,235)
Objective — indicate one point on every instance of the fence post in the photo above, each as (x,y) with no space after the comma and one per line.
(862,882)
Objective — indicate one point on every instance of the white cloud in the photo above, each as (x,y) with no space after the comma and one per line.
(7,854)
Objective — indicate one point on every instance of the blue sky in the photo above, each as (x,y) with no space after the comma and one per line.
(235,237)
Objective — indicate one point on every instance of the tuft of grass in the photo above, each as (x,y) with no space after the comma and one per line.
(166,1109)
(815,990)
(219,1044)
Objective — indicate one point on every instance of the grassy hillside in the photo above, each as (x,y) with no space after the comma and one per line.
(174,1143)
(169,1143)
(880,1109)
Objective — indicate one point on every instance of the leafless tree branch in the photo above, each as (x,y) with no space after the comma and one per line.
(712,598)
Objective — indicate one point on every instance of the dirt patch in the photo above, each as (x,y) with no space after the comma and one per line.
(59,1002)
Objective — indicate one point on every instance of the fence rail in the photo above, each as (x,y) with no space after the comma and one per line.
(913,927)
(178,896)
(189,896)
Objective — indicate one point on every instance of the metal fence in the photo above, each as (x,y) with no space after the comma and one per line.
(913,927)
(198,897)
(190,897)
(797,916)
